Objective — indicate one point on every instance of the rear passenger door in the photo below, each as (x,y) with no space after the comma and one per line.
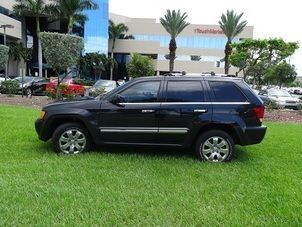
(184,108)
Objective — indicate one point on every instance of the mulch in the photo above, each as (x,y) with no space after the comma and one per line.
(293,116)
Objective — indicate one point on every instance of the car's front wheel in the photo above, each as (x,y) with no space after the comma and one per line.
(71,138)
(28,92)
(215,146)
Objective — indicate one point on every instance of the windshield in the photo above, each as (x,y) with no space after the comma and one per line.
(104,83)
(25,79)
(281,93)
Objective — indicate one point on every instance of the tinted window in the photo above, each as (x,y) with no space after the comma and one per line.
(226,92)
(141,92)
(185,91)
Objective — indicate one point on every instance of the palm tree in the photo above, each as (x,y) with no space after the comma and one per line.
(115,32)
(71,11)
(36,9)
(174,23)
(231,27)
(17,52)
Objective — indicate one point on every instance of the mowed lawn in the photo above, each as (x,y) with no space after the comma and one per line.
(146,187)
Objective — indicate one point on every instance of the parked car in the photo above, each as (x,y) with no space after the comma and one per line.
(209,114)
(2,78)
(279,98)
(101,86)
(71,87)
(32,85)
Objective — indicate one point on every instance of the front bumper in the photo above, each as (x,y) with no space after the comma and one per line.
(39,128)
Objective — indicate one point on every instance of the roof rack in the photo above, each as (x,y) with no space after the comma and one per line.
(198,74)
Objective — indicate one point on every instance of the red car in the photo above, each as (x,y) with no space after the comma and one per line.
(67,87)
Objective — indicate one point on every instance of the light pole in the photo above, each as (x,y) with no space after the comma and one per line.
(4,26)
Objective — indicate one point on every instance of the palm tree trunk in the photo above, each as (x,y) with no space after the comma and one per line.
(39,47)
(227,51)
(70,25)
(111,66)
(172,48)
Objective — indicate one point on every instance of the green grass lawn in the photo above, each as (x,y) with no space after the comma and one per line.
(135,186)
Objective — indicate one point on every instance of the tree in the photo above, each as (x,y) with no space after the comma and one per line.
(61,51)
(37,9)
(3,56)
(96,63)
(231,27)
(71,11)
(140,65)
(115,31)
(255,57)
(174,23)
(17,52)
(281,74)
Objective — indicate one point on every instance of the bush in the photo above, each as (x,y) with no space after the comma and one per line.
(3,56)
(61,51)
(65,91)
(97,92)
(9,87)
(140,66)
(84,82)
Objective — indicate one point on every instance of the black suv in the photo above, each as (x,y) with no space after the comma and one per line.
(208,113)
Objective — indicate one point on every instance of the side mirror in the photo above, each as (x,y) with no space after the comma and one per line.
(118,100)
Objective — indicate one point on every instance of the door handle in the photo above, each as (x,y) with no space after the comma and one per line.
(200,110)
(148,111)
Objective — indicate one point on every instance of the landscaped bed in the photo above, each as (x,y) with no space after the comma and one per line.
(136,186)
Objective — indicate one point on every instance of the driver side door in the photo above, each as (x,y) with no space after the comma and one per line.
(133,118)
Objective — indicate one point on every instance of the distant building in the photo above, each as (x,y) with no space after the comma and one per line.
(200,48)
(96,28)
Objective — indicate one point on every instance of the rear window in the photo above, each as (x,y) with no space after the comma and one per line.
(226,92)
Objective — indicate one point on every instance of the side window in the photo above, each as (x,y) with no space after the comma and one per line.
(185,91)
(141,92)
(226,92)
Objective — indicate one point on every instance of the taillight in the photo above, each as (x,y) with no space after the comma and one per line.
(259,111)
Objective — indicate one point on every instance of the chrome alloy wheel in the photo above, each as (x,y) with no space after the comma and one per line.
(72,141)
(215,149)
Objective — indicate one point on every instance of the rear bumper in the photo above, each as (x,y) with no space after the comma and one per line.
(253,135)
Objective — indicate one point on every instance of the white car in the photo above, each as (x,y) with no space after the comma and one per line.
(279,98)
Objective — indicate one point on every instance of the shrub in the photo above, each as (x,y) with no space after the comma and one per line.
(66,91)
(61,51)
(3,56)
(97,92)
(9,87)
(140,66)
(84,82)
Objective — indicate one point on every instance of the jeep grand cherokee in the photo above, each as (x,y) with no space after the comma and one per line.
(207,113)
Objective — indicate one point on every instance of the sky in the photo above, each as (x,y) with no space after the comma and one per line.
(270,18)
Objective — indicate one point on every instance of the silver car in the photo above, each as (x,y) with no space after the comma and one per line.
(279,98)
(101,87)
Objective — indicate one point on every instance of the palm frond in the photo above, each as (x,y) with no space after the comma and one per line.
(231,25)
(174,22)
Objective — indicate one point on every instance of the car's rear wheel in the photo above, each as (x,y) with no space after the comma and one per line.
(215,146)
(71,138)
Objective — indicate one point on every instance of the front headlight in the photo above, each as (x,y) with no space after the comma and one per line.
(42,114)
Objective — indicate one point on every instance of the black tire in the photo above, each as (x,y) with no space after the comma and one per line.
(215,146)
(71,138)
